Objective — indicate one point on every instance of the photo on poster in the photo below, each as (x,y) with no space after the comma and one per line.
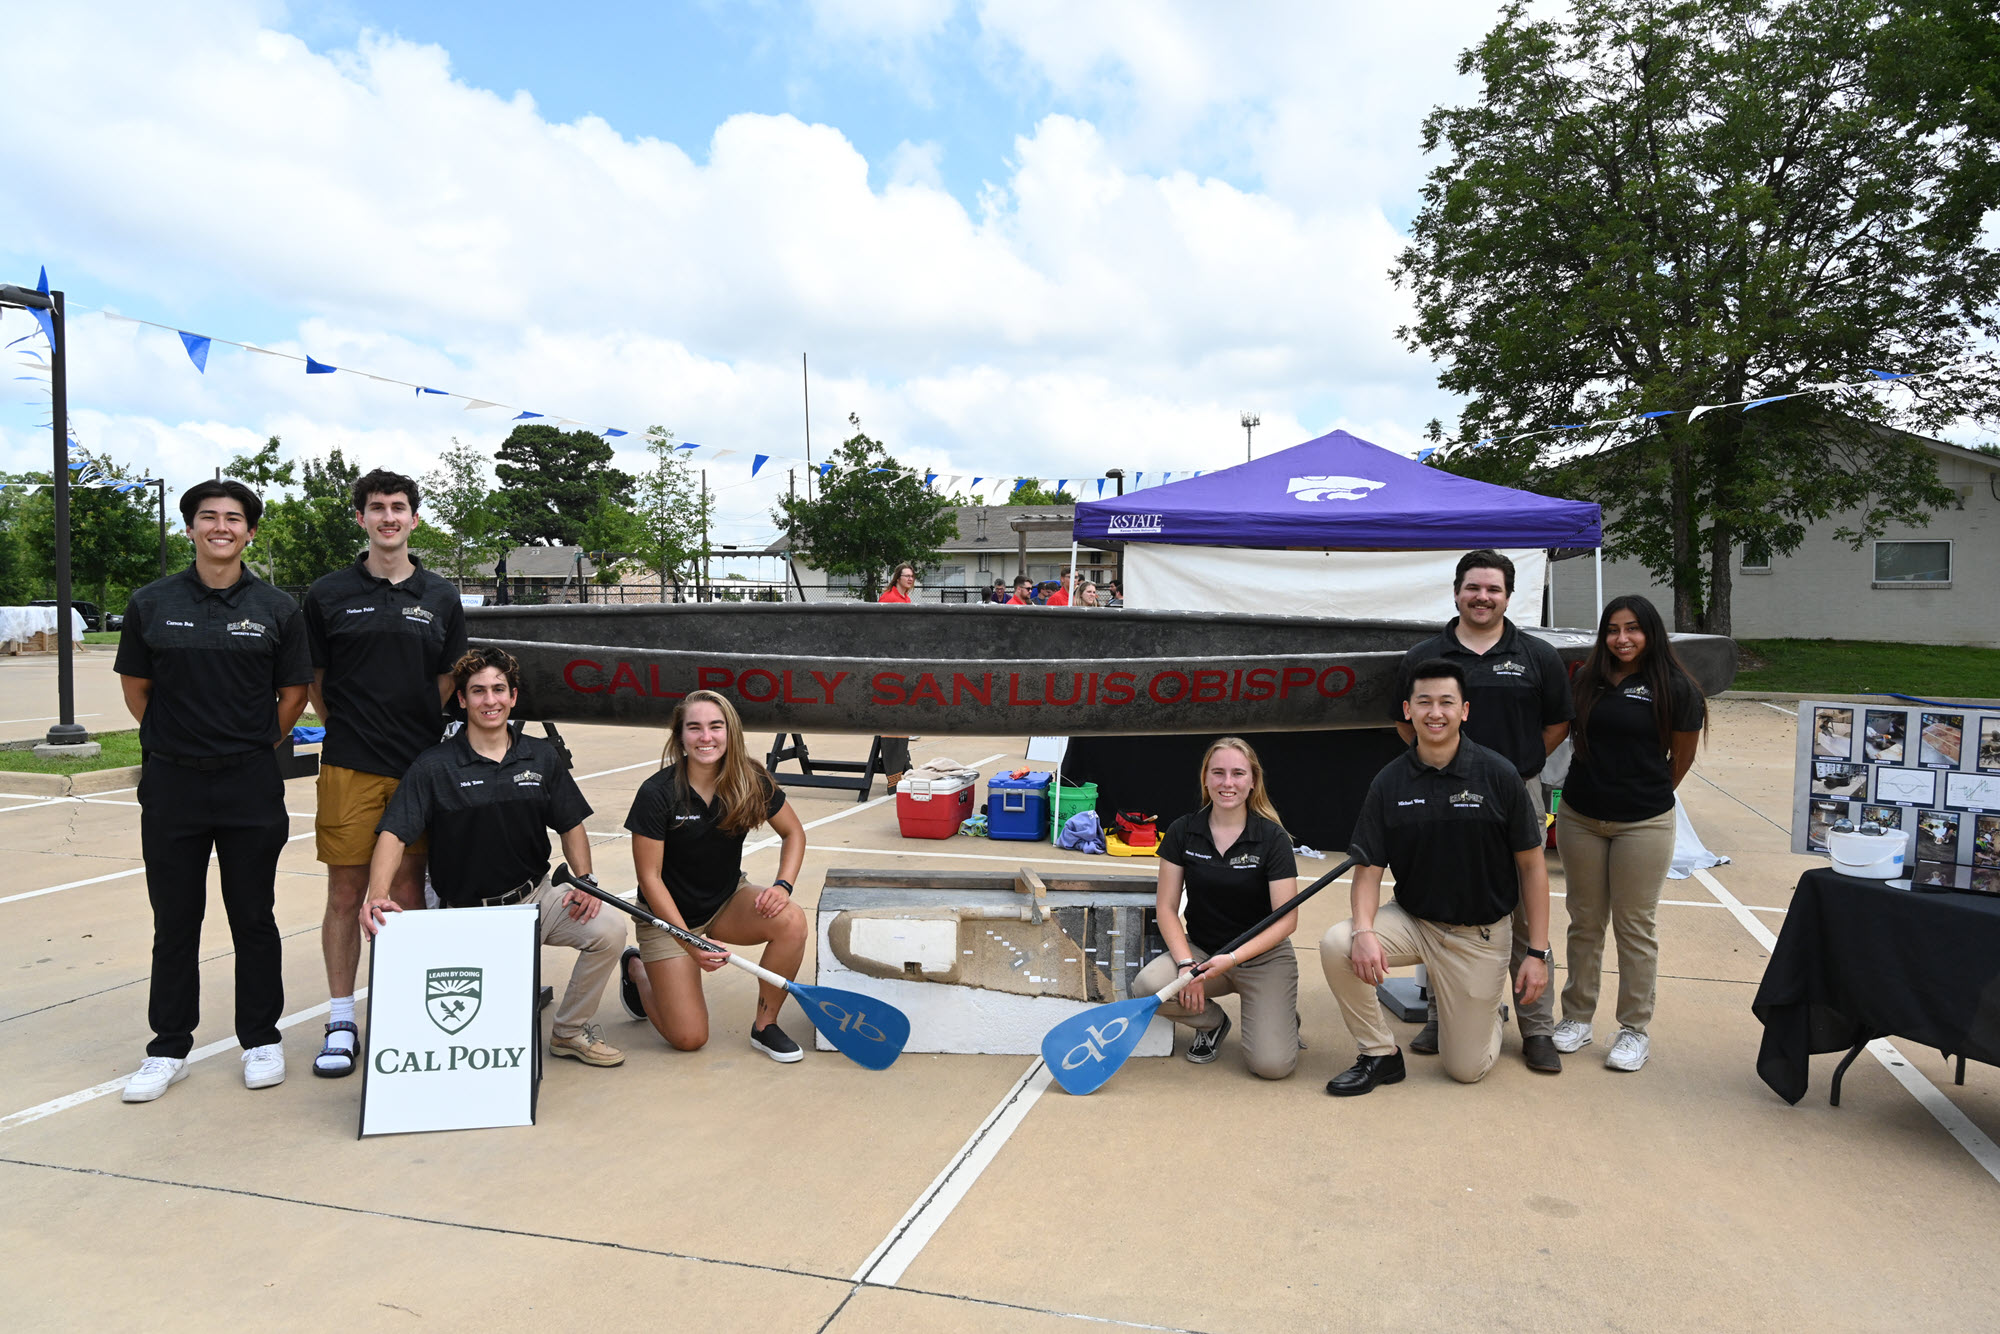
(1820,817)
(1833,733)
(1937,836)
(1943,736)
(1972,792)
(1906,787)
(1839,778)
(1984,880)
(1986,841)
(1942,874)
(1989,745)
(1889,817)
(1883,741)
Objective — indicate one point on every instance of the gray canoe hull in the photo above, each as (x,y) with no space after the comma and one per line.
(977,670)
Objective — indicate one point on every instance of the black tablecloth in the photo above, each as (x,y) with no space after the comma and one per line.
(1857,960)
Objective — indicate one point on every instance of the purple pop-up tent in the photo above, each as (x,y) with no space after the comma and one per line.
(1339,491)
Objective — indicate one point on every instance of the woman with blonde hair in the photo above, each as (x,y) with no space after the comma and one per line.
(1234,860)
(688,822)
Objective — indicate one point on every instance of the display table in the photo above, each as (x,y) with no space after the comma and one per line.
(1858,960)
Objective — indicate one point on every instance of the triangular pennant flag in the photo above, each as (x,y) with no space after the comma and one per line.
(976,481)
(318,367)
(929,477)
(1100,488)
(1649,416)
(1706,407)
(1061,482)
(1020,482)
(721,453)
(611,431)
(426,389)
(1423,454)
(525,416)
(687,446)
(472,403)
(757,461)
(42,317)
(825,468)
(1880,375)
(197,349)
(1760,402)
(1138,480)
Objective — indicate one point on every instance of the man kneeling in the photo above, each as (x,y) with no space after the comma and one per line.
(1452,820)
(487,798)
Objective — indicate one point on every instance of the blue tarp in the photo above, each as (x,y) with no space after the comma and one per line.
(1339,491)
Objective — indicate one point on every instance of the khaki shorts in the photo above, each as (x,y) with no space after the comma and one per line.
(656,946)
(350,806)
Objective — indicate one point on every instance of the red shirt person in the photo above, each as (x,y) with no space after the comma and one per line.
(1022,586)
(900,584)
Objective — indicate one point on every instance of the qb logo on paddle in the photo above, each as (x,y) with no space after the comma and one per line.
(451,997)
(1093,1046)
(852,1022)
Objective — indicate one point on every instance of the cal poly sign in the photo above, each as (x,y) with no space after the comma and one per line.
(451,1021)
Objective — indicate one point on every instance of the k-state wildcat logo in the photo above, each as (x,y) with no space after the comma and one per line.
(1332,488)
(1135,523)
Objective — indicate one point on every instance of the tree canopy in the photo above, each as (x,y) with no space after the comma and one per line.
(668,525)
(114,537)
(461,508)
(1653,207)
(551,481)
(869,515)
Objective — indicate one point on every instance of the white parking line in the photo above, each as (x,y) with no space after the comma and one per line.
(885,1266)
(96,1091)
(52,718)
(115,875)
(1974,1140)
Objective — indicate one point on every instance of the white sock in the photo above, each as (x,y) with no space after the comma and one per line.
(342,1011)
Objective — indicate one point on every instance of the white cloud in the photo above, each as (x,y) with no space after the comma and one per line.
(1089,309)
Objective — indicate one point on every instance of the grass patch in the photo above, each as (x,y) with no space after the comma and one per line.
(100,636)
(120,749)
(1860,666)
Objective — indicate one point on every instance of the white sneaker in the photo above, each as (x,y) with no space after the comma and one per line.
(1572,1035)
(155,1073)
(1629,1052)
(264,1066)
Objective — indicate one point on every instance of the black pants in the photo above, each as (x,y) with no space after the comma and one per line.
(895,754)
(240,813)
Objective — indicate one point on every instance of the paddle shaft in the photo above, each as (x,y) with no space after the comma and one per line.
(1175,987)
(563,876)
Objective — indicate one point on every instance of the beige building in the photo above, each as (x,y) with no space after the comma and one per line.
(1937,584)
(987,547)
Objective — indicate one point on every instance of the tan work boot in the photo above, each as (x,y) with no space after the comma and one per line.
(587,1047)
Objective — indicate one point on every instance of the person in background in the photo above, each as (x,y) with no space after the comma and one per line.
(214,666)
(1023,592)
(896,749)
(1234,861)
(998,593)
(1517,693)
(900,584)
(1087,596)
(1639,716)
(1059,595)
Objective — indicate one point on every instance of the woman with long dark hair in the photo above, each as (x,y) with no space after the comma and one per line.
(1234,860)
(688,823)
(1639,716)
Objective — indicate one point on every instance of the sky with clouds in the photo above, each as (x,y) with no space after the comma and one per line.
(1030,237)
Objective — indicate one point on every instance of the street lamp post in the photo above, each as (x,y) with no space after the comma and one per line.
(1118,475)
(1251,421)
(65,736)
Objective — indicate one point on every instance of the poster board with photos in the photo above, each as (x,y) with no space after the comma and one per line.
(1930,770)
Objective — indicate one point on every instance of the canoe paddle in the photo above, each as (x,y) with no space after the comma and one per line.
(867,1031)
(1086,1049)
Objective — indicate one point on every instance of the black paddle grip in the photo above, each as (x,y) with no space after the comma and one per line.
(564,876)
(1285,907)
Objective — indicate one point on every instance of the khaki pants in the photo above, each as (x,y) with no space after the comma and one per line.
(1613,871)
(1539,1019)
(1469,978)
(1269,986)
(601,940)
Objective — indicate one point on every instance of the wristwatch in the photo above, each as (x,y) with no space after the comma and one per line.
(1547,956)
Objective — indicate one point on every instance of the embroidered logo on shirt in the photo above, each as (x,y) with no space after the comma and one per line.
(1639,692)
(1202,855)
(254,629)
(1508,667)
(1468,799)
(359,611)
(1411,801)
(472,782)
(679,818)
(423,614)
(1244,859)
(185,625)
(528,778)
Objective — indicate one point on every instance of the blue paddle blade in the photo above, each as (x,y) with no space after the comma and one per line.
(1086,1049)
(867,1031)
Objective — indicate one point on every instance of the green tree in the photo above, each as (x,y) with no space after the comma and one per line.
(314,533)
(1653,207)
(1034,494)
(17,582)
(114,540)
(271,477)
(459,499)
(549,482)
(671,511)
(870,513)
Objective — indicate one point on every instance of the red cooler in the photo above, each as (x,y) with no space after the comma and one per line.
(934,807)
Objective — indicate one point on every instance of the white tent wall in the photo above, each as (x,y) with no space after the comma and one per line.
(1368,585)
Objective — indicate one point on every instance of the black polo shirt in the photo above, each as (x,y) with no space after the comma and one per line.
(1516,688)
(702,861)
(1449,834)
(1228,892)
(1623,773)
(382,646)
(489,823)
(217,658)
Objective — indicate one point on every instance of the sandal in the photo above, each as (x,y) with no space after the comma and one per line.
(329,1050)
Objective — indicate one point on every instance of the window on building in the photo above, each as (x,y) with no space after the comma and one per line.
(1757,556)
(1913,562)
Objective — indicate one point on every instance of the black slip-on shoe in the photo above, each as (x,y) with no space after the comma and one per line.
(1541,1056)
(774,1043)
(1365,1074)
(1207,1044)
(628,990)
(1425,1043)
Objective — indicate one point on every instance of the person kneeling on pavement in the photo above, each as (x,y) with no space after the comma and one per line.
(1452,820)
(487,798)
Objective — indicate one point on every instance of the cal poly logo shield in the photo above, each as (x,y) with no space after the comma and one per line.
(451,997)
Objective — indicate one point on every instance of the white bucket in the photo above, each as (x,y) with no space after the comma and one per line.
(1868,856)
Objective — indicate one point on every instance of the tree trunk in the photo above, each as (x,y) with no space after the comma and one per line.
(1687,570)
(1716,620)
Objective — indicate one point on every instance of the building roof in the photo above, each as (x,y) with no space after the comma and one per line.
(541,563)
(985,528)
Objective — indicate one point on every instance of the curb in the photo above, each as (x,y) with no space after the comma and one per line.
(70,785)
(1881,701)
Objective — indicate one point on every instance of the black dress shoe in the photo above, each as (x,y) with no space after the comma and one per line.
(1425,1043)
(1541,1055)
(1365,1074)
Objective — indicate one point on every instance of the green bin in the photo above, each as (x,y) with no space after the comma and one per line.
(1070,801)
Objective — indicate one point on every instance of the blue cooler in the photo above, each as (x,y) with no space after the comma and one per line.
(1018,807)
